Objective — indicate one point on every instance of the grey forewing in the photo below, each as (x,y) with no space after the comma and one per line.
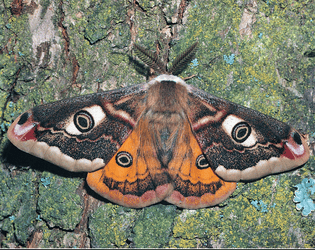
(218,147)
(103,140)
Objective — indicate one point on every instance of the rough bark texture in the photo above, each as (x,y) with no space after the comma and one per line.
(256,53)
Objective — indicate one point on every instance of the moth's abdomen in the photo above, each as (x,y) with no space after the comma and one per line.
(165,115)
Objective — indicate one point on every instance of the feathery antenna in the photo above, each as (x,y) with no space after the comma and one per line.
(154,62)
(151,59)
(183,59)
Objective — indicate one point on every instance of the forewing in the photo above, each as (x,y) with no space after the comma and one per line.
(81,133)
(241,143)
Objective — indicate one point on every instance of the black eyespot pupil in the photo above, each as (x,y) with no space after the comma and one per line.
(201,162)
(124,159)
(83,121)
(241,132)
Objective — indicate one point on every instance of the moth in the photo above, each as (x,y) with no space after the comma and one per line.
(161,140)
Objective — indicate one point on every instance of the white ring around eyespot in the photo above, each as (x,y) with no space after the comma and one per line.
(228,125)
(95,111)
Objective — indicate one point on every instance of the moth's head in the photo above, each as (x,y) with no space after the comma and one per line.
(167,94)
(167,78)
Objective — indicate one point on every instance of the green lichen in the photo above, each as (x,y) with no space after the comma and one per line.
(230,225)
(99,70)
(148,5)
(45,4)
(153,227)
(106,15)
(307,227)
(58,203)
(17,205)
(14,61)
(110,226)
(205,224)
(47,238)
(148,37)
(270,226)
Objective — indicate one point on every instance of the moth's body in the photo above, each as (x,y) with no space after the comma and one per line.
(163,140)
(165,115)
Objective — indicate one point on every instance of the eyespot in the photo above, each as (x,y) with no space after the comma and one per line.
(297,138)
(241,131)
(83,121)
(23,118)
(201,162)
(124,159)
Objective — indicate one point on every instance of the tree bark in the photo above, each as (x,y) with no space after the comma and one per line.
(256,53)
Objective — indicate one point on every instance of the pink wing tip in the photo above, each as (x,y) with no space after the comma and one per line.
(23,128)
(296,147)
